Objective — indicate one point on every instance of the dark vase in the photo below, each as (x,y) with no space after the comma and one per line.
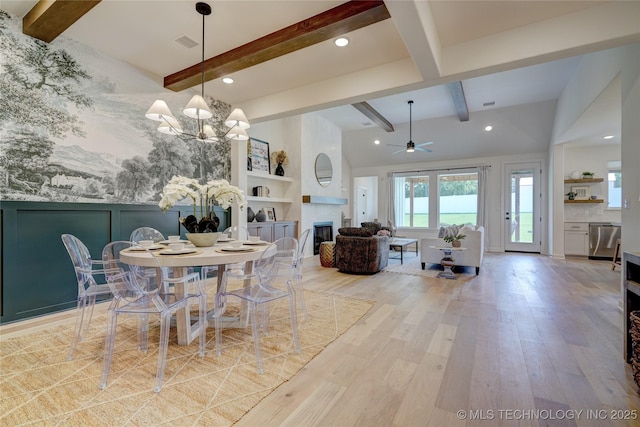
(249,164)
(250,214)
(279,170)
(261,216)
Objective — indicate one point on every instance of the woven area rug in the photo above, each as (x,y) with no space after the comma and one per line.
(413,267)
(38,386)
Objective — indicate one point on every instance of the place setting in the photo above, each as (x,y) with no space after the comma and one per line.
(145,245)
(174,239)
(255,241)
(178,248)
(236,246)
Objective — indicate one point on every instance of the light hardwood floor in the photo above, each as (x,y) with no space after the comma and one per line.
(530,341)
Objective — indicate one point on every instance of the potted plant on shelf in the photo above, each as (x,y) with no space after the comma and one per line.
(587,175)
(203,231)
(279,157)
(452,235)
(572,195)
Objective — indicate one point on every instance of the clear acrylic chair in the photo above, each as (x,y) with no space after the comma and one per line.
(87,270)
(260,288)
(146,233)
(236,232)
(297,275)
(137,292)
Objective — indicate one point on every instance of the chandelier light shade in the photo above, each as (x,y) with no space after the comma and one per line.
(198,109)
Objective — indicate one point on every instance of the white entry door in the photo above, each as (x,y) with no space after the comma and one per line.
(361,206)
(522,219)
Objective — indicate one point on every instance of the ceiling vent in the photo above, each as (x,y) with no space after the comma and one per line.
(187,42)
(489,104)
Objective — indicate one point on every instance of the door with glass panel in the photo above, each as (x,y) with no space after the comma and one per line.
(522,207)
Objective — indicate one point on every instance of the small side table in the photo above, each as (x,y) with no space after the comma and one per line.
(447,262)
(327,254)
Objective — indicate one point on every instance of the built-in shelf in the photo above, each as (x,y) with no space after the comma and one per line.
(269,199)
(264,175)
(585,201)
(323,200)
(582,180)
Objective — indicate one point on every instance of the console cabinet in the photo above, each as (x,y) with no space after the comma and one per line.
(272,231)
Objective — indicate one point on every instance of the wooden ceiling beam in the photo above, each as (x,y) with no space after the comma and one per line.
(374,115)
(49,18)
(335,22)
(459,101)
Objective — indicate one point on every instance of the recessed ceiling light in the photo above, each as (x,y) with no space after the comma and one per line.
(377,142)
(488,128)
(227,80)
(608,137)
(341,42)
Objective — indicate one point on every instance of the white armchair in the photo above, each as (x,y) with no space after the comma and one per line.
(471,257)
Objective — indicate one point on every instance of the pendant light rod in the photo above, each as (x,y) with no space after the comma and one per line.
(410,144)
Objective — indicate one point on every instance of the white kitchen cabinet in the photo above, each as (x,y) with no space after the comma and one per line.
(576,238)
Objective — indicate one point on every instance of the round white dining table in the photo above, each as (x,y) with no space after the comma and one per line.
(203,256)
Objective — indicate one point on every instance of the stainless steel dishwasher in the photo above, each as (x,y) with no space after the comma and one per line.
(602,239)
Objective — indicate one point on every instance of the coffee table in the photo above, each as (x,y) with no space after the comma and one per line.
(447,261)
(402,243)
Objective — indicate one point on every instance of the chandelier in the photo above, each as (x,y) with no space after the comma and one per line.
(198,109)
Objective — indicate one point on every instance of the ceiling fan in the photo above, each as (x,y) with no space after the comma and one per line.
(411,146)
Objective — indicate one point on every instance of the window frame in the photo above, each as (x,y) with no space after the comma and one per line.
(434,194)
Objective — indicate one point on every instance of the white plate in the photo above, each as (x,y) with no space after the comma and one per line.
(258,243)
(240,249)
(151,248)
(166,242)
(225,239)
(178,252)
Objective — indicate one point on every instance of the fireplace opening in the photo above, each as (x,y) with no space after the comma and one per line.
(322,232)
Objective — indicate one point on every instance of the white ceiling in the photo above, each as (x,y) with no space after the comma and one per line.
(518,54)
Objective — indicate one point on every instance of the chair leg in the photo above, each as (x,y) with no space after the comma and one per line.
(300,296)
(294,322)
(77,333)
(108,348)
(165,320)
(218,325)
(256,337)
(616,254)
(203,322)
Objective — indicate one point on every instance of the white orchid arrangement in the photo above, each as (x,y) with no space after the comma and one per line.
(202,195)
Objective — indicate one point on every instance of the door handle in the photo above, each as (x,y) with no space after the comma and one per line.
(507,216)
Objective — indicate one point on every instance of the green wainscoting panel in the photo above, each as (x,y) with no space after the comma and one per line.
(36,274)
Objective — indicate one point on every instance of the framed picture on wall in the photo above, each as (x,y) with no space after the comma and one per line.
(260,156)
(582,193)
(271,214)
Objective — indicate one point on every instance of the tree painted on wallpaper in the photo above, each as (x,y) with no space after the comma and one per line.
(55,96)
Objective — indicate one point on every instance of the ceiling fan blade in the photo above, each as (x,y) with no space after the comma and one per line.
(404,150)
(424,143)
(426,150)
(396,145)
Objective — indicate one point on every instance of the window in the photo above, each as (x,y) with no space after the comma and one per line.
(614,185)
(454,200)
(412,208)
(458,199)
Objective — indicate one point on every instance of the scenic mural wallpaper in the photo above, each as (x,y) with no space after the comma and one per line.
(72,126)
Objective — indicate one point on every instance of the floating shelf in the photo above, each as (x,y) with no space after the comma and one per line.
(324,200)
(265,175)
(269,199)
(582,180)
(585,201)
